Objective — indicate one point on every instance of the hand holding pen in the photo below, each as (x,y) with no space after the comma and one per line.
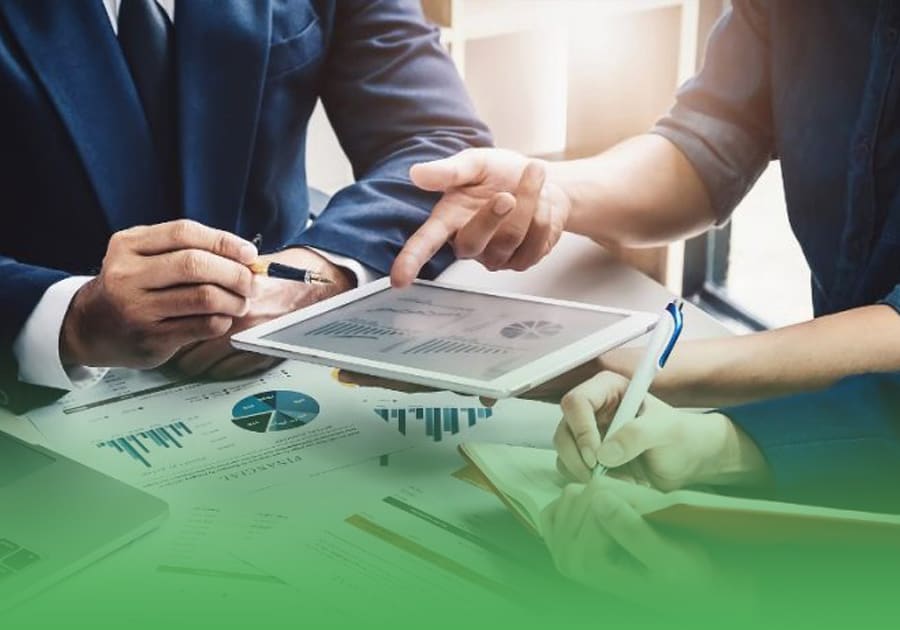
(607,402)
(665,335)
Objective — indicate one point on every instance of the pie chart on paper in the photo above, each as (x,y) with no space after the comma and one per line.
(278,410)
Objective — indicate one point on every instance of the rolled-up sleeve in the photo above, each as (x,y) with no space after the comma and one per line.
(839,447)
(893,299)
(722,119)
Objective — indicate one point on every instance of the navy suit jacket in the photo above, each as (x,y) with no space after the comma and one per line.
(77,164)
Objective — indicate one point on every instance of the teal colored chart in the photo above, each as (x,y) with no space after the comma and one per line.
(278,410)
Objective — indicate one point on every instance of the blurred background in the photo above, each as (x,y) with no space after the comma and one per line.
(569,78)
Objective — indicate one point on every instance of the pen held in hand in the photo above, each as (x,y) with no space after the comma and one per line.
(286,272)
(662,340)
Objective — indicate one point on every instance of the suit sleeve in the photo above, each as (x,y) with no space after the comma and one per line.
(21,289)
(394,98)
(722,118)
(839,447)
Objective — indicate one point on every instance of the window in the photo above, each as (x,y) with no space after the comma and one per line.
(751,272)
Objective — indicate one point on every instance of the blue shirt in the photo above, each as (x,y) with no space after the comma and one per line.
(817,86)
(838,447)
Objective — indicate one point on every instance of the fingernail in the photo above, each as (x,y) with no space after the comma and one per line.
(611,454)
(588,457)
(248,252)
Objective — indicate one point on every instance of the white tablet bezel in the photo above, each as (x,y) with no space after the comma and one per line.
(635,324)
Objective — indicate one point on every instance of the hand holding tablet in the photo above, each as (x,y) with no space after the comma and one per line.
(470,341)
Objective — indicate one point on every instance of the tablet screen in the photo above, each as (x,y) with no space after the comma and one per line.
(464,334)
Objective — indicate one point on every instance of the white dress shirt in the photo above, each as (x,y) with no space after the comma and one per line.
(36,348)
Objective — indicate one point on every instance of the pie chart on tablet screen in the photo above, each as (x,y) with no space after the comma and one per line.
(531,329)
(277,410)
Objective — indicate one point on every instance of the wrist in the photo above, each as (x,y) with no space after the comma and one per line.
(73,349)
(621,361)
(733,459)
(298,295)
(556,193)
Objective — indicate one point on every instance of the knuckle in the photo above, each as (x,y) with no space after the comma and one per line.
(466,247)
(243,280)
(121,238)
(216,325)
(569,401)
(608,377)
(541,223)
(221,243)
(182,231)
(206,297)
(582,435)
(489,263)
(114,273)
(193,265)
(507,240)
(494,259)
(522,264)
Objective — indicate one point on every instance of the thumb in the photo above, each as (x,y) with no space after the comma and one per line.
(630,441)
(463,169)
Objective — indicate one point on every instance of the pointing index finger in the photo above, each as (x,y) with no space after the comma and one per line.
(421,247)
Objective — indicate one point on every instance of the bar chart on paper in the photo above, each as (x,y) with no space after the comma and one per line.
(437,421)
(140,446)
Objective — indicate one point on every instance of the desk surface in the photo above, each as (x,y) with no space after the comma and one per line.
(577,269)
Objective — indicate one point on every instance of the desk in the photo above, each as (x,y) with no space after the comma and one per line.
(576,269)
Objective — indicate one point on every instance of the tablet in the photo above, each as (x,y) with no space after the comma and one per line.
(470,341)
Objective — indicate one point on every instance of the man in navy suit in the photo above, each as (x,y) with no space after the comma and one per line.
(153,148)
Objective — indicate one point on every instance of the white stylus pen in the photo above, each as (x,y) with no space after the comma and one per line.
(665,334)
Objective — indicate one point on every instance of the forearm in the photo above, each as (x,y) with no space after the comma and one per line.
(808,356)
(392,105)
(642,192)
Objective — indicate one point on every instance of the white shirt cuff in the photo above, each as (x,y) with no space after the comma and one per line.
(37,347)
(363,274)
